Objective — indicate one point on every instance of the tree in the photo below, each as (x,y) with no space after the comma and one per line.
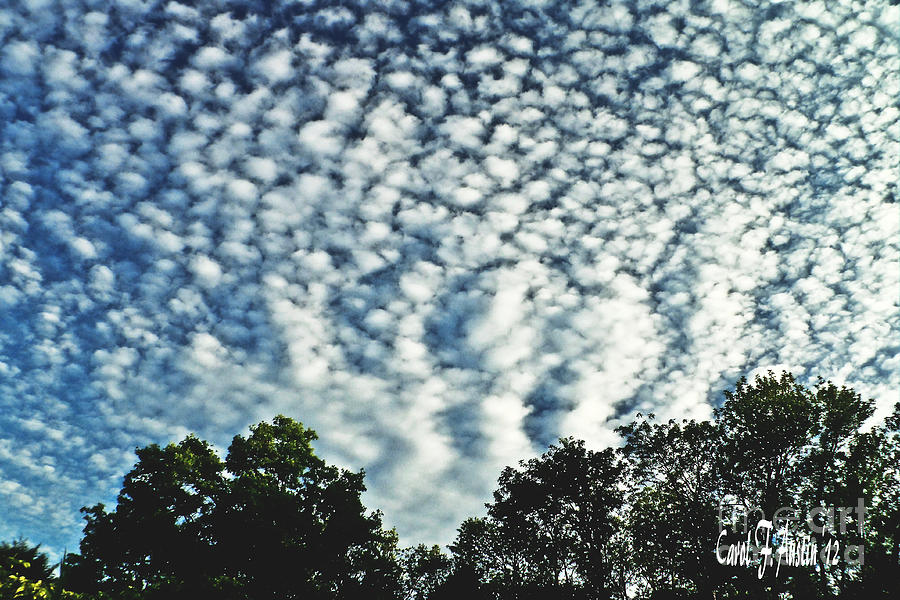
(768,429)
(549,528)
(773,444)
(21,559)
(674,483)
(424,570)
(485,561)
(831,476)
(26,574)
(296,527)
(271,521)
(275,521)
(870,469)
(158,541)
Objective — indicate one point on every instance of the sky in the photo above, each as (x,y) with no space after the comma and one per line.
(441,234)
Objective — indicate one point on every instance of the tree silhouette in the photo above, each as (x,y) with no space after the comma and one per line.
(675,488)
(271,521)
(21,559)
(424,570)
(549,527)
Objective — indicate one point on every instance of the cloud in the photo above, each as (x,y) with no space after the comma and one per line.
(442,240)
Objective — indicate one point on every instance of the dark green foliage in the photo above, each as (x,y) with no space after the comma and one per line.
(550,530)
(772,444)
(26,574)
(21,559)
(768,428)
(272,521)
(675,488)
(424,570)
(297,525)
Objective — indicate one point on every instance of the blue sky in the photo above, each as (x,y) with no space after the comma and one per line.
(440,234)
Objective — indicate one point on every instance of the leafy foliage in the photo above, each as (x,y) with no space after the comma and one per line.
(424,570)
(772,444)
(26,574)
(675,474)
(21,559)
(271,521)
(274,521)
(549,527)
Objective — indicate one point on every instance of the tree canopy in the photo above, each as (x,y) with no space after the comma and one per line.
(272,520)
(646,523)
(649,519)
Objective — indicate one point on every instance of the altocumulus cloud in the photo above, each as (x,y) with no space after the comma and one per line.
(441,234)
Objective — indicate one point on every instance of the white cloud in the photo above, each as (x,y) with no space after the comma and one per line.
(207,271)
(276,67)
(262,168)
(20,58)
(464,254)
(320,137)
(211,57)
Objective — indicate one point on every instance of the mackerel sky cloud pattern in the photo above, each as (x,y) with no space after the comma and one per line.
(441,234)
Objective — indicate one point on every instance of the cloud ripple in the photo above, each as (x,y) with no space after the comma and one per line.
(442,235)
